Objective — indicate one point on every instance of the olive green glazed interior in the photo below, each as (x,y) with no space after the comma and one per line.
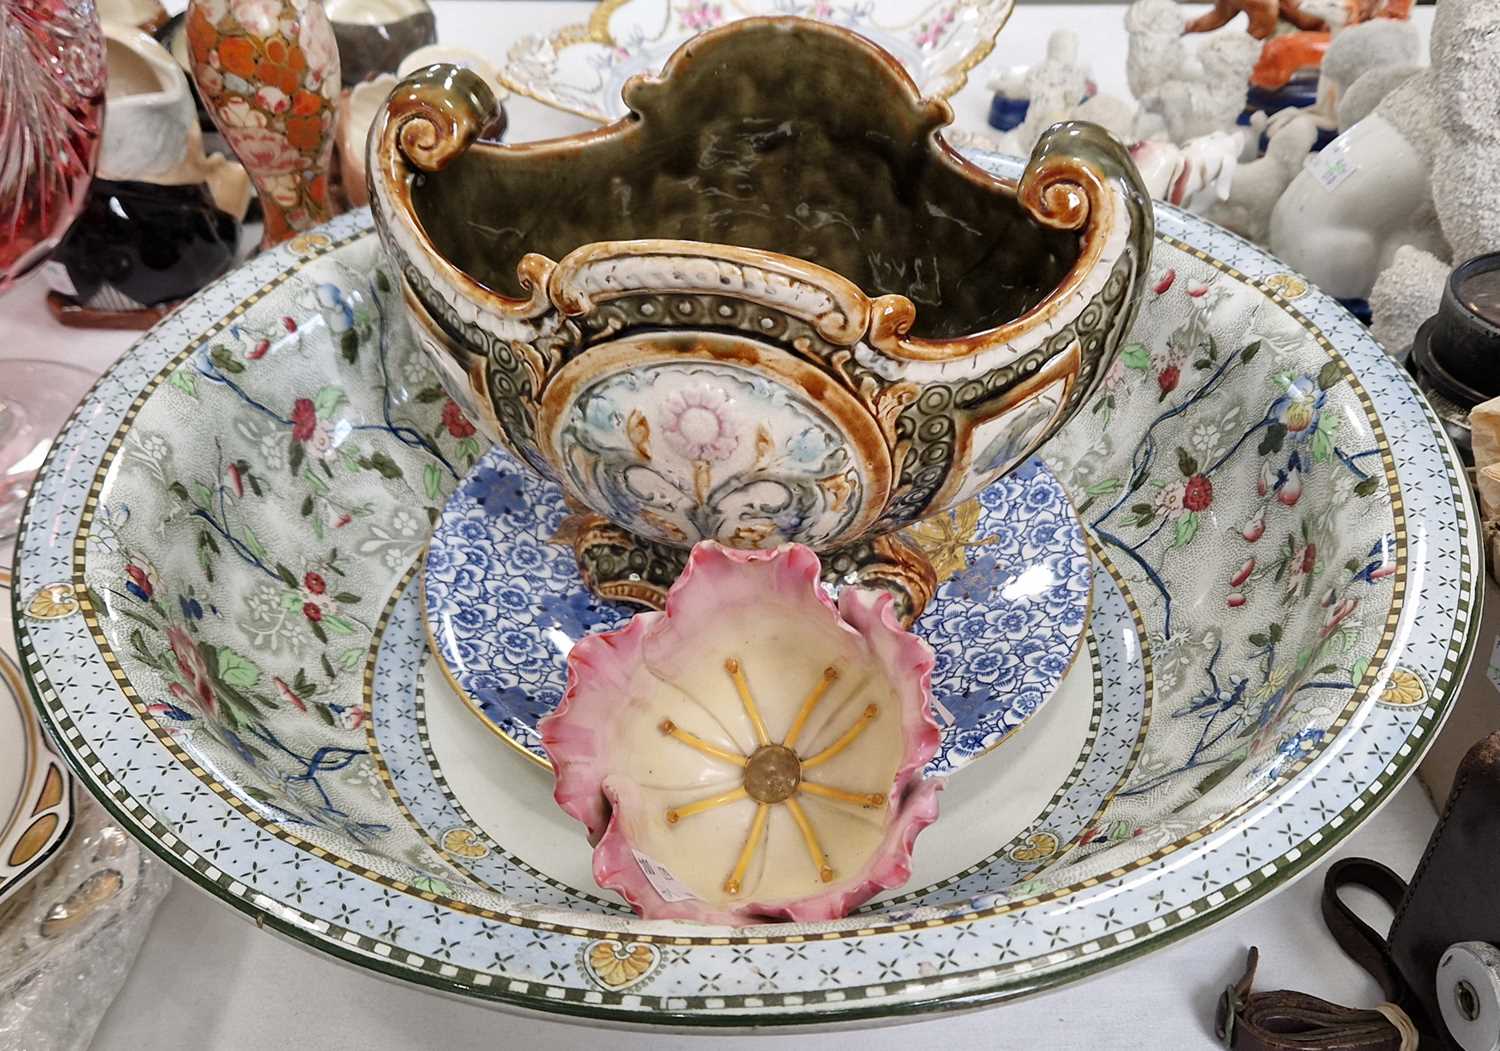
(785,137)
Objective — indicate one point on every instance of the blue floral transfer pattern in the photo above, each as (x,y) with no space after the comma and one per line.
(505,605)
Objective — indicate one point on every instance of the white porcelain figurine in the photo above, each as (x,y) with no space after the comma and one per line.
(1418,171)
(1190,90)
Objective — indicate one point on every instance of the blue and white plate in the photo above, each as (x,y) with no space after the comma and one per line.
(504,603)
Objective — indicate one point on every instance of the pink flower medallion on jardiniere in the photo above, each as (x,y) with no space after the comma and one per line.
(754,752)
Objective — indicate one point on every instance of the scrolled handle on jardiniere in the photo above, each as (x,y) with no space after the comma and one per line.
(436,114)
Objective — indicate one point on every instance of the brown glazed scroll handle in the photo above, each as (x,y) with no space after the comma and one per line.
(432,116)
(1065,186)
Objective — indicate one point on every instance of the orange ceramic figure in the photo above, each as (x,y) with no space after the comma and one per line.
(1283,56)
(1302,48)
(1265,14)
(268,72)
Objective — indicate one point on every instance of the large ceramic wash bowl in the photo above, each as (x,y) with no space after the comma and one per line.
(770,305)
(232,653)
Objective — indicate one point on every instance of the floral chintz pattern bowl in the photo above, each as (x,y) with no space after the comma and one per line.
(1286,593)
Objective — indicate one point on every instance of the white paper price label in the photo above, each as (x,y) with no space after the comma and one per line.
(662,880)
(1331,165)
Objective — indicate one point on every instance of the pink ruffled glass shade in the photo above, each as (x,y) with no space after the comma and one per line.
(754,752)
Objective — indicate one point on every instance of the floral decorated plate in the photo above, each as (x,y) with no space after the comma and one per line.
(1285,595)
(36,791)
(503,604)
(581,68)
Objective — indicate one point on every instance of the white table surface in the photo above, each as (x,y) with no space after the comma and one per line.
(207,979)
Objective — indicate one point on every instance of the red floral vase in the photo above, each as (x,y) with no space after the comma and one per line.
(268,72)
(51,117)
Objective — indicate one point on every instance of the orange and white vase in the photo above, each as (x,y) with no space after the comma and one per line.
(268,72)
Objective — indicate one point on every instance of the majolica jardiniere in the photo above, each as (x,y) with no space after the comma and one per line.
(772,305)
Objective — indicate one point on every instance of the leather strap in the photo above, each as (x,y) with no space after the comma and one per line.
(1363,945)
(1290,1021)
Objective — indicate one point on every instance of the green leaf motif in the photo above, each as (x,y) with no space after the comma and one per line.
(1136,356)
(1258,639)
(236,671)
(1322,447)
(327,400)
(295,456)
(383,464)
(1275,435)
(338,625)
(1225,769)
(1186,463)
(203,496)
(349,346)
(428,395)
(253,543)
(1187,528)
(205,557)
(167,662)
(346,598)
(432,481)
(221,357)
(1357,670)
(307,505)
(349,660)
(1275,631)
(1104,488)
(1329,375)
(184,380)
(1367,487)
(382,282)
(1249,352)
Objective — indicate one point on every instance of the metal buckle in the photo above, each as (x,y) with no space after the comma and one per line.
(1224,1015)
